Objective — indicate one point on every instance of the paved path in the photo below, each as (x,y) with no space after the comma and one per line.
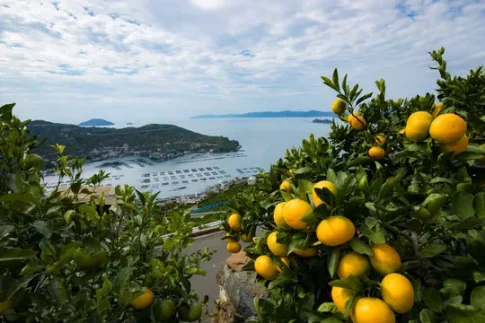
(206,285)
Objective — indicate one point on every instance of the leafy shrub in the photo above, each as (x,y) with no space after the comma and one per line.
(428,204)
(67,256)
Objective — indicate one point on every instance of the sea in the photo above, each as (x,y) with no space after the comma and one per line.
(263,141)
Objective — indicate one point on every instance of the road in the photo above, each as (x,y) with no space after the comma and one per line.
(206,285)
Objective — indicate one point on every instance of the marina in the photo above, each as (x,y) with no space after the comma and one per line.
(171,179)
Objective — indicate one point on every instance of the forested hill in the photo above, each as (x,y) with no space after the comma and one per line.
(101,143)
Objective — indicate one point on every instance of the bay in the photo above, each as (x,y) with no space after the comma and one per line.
(263,141)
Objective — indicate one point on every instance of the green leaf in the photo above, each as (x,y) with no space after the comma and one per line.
(428,316)
(303,170)
(286,196)
(43,228)
(459,313)
(328,82)
(361,247)
(453,287)
(477,297)
(68,216)
(284,278)
(349,283)
(311,218)
(58,291)
(327,307)
(479,204)
(141,197)
(375,235)
(432,250)
(22,197)
(305,187)
(8,256)
(363,98)
(478,276)
(332,262)
(462,205)
(335,79)
(331,176)
(432,298)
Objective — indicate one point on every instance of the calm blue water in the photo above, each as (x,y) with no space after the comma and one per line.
(263,141)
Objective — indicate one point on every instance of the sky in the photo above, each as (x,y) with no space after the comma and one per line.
(147,61)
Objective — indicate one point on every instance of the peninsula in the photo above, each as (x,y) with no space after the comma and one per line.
(96,123)
(269,114)
(156,141)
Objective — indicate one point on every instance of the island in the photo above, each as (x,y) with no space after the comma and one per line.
(96,123)
(129,123)
(325,121)
(269,114)
(155,141)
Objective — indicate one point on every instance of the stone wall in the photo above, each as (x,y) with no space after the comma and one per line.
(237,290)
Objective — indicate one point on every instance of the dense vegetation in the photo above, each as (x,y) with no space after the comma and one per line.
(65,259)
(381,222)
(165,139)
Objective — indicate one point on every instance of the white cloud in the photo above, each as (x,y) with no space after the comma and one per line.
(173,58)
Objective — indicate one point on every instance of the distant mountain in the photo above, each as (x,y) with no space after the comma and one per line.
(96,123)
(269,114)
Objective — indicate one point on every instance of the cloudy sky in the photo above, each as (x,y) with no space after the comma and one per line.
(155,61)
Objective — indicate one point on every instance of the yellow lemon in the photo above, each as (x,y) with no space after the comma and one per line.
(385,259)
(233,247)
(306,253)
(285,186)
(381,140)
(278,216)
(335,230)
(377,153)
(294,211)
(340,296)
(353,264)
(398,292)
(338,106)
(265,267)
(277,249)
(144,300)
(417,126)
(456,147)
(436,109)
(357,121)
(372,310)
(234,222)
(447,128)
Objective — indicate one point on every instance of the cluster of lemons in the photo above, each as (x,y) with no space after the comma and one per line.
(447,129)
(396,290)
(166,309)
(358,122)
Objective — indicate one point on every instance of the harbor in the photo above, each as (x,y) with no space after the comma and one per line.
(186,178)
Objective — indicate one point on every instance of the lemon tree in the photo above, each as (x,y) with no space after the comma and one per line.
(396,232)
(69,259)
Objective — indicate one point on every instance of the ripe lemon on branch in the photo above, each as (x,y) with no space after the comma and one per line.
(234,222)
(335,231)
(447,128)
(417,126)
(357,121)
(294,211)
(339,106)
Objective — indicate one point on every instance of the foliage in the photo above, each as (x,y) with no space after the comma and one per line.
(67,256)
(429,205)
